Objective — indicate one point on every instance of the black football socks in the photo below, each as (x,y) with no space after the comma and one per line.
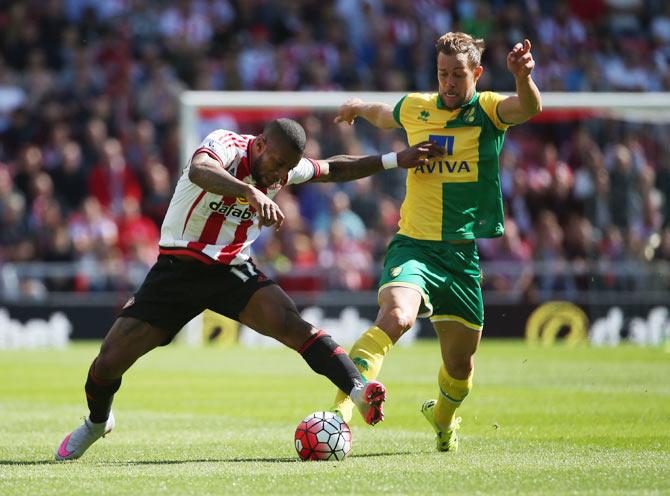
(99,395)
(327,358)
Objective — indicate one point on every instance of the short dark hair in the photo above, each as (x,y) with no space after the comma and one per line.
(454,43)
(287,131)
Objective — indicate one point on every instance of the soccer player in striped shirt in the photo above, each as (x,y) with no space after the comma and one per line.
(432,266)
(222,200)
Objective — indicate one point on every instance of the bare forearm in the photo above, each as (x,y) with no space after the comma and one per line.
(343,168)
(215,180)
(529,96)
(378,114)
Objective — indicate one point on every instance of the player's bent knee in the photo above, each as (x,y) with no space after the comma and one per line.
(459,367)
(297,331)
(395,322)
(287,327)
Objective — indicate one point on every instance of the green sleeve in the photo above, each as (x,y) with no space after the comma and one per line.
(396,110)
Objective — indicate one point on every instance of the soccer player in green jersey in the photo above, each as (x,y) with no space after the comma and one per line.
(432,266)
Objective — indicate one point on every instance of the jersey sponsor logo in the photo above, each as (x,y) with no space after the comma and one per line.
(395,271)
(234,210)
(446,142)
(423,116)
(444,166)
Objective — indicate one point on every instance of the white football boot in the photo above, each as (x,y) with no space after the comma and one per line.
(78,441)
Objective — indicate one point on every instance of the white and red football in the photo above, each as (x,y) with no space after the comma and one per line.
(322,436)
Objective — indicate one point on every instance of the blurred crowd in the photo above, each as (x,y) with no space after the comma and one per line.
(89,149)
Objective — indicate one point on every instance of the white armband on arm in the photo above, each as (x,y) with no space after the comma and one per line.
(390,160)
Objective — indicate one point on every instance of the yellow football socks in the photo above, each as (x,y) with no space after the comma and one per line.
(367,354)
(452,393)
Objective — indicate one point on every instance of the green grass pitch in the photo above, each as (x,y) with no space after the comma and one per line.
(220,421)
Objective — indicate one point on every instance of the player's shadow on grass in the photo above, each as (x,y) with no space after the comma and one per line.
(245,459)
(156,462)
(203,460)
(284,459)
(386,453)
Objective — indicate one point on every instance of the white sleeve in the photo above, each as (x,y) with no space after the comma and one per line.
(222,152)
(305,170)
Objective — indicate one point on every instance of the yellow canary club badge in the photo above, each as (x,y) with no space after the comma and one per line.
(469,115)
(395,271)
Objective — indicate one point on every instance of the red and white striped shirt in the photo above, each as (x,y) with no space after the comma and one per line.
(214,228)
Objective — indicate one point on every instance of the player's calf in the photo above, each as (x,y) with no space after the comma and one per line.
(99,394)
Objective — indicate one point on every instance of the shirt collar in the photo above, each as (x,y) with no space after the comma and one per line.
(441,106)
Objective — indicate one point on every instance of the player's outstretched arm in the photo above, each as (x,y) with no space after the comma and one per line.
(378,114)
(207,173)
(341,168)
(527,102)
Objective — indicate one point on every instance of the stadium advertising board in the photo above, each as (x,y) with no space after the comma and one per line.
(44,325)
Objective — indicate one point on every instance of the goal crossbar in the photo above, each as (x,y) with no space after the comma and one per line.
(646,107)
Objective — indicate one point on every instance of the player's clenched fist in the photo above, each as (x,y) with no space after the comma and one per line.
(268,211)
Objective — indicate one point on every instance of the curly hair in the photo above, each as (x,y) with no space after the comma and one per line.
(455,43)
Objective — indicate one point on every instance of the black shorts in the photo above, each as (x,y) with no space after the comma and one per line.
(175,291)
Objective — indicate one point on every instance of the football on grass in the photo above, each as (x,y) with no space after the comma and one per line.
(322,436)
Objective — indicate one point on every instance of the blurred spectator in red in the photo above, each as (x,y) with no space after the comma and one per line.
(112,179)
(137,232)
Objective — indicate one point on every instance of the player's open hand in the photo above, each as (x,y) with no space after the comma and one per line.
(348,111)
(520,61)
(268,211)
(419,154)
